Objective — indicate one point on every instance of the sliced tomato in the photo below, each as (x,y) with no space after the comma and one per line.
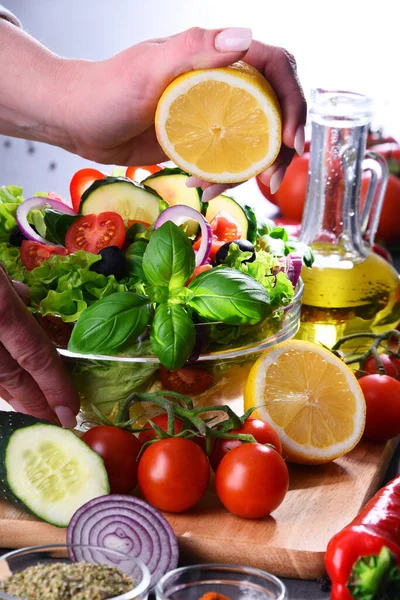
(140,173)
(95,232)
(80,182)
(188,380)
(34,253)
(197,271)
(225,229)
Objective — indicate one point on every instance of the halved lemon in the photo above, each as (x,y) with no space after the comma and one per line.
(223,125)
(310,397)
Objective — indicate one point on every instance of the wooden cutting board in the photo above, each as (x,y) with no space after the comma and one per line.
(291,543)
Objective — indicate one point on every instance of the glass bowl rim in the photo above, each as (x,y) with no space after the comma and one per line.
(143,587)
(210,356)
(223,567)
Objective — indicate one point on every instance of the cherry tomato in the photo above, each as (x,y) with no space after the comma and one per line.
(262,432)
(140,173)
(33,253)
(382,397)
(224,229)
(95,232)
(389,225)
(377,137)
(80,182)
(187,380)
(391,364)
(162,422)
(197,271)
(252,480)
(291,195)
(119,450)
(173,474)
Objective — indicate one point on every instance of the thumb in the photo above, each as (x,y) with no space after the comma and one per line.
(199,48)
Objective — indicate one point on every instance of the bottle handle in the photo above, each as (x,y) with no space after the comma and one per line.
(371,212)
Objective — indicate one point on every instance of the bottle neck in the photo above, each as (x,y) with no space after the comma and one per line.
(331,220)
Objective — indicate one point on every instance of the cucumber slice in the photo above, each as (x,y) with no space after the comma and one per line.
(170,184)
(47,470)
(243,214)
(129,199)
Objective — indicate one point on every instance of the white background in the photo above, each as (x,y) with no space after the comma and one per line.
(342,44)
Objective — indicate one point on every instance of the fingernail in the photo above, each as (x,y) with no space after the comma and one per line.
(193,181)
(233,39)
(277,178)
(66,416)
(299,140)
(213,191)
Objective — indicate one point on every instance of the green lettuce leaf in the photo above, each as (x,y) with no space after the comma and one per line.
(10,199)
(10,257)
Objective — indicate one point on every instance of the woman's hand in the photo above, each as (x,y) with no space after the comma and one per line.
(104,110)
(32,377)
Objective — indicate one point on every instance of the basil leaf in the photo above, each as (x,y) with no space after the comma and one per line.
(172,335)
(110,324)
(279,233)
(169,258)
(230,296)
(134,258)
(133,231)
(57,224)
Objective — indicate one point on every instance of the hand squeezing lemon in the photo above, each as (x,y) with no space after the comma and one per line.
(223,125)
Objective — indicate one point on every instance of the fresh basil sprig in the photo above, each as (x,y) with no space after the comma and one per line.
(111,324)
(57,224)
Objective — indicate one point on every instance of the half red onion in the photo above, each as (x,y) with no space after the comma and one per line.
(294,263)
(126,524)
(37,203)
(180,213)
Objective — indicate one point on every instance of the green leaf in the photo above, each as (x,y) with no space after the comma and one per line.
(264,226)
(230,296)
(235,257)
(169,257)
(275,246)
(111,324)
(11,260)
(308,255)
(10,199)
(157,293)
(180,296)
(279,233)
(69,304)
(172,335)
(134,259)
(134,230)
(57,224)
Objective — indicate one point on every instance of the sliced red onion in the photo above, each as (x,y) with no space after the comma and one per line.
(37,203)
(180,213)
(294,263)
(125,524)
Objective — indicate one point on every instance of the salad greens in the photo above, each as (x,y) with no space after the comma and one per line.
(276,241)
(220,294)
(10,198)
(10,258)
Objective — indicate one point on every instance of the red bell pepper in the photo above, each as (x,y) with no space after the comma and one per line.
(363,560)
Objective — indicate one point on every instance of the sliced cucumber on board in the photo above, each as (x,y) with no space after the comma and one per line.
(133,201)
(170,184)
(47,470)
(243,214)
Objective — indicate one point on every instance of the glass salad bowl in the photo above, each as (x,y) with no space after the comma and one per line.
(234,582)
(19,560)
(224,357)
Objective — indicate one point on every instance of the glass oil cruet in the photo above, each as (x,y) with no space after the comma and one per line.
(349,289)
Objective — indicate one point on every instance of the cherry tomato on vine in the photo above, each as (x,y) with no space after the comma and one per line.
(119,450)
(80,182)
(252,480)
(162,422)
(382,398)
(187,380)
(390,363)
(34,253)
(173,474)
(262,432)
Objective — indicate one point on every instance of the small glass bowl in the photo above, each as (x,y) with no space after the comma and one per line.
(18,560)
(235,582)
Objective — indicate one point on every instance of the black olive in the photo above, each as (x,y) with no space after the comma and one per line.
(113,262)
(17,237)
(244,246)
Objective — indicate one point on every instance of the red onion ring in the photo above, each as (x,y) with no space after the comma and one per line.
(180,213)
(37,203)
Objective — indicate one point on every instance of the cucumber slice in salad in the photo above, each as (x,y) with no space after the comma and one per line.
(170,184)
(131,200)
(47,470)
(243,214)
